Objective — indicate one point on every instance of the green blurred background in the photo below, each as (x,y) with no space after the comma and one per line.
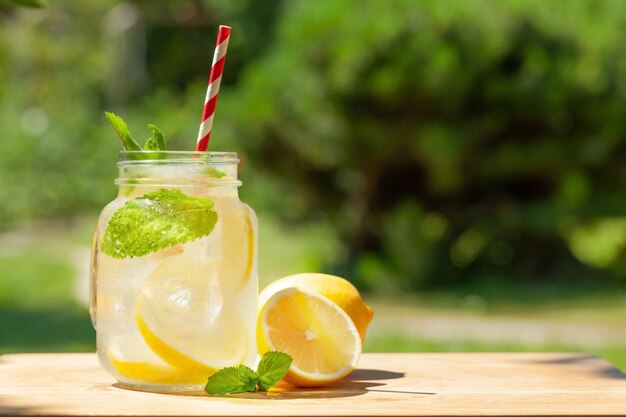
(462,162)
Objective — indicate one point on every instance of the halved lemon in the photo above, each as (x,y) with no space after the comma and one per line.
(182,316)
(320,337)
(337,289)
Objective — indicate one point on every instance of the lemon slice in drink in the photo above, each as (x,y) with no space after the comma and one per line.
(139,372)
(238,245)
(181,314)
(320,337)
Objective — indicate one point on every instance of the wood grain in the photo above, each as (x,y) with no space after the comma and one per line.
(446,384)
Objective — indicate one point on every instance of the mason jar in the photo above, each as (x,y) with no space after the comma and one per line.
(174,271)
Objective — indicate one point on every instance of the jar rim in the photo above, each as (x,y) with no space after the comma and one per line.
(165,157)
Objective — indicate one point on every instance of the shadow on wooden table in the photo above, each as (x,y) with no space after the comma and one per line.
(605,369)
(13,411)
(358,382)
(373,375)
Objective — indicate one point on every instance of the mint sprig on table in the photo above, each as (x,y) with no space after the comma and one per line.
(157,220)
(272,368)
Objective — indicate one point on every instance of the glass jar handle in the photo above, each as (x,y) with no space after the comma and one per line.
(93,278)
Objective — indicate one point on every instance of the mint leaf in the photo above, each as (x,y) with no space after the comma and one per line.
(156,142)
(272,368)
(248,377)
(214,172)
(150,145)
(157,220)
(225,381)
(232,381)
(121,128)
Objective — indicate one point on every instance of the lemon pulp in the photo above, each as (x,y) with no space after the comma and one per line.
(320,337)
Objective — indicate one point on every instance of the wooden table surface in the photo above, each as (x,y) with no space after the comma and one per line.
(443,384)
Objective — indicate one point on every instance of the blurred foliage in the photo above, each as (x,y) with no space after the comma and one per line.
(440,141)
(37,4)
(38,312)
(448,140)
(402,343)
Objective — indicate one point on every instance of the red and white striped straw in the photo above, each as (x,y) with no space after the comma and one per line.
(215,78)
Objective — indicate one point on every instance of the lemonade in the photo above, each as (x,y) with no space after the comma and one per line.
(174,271)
